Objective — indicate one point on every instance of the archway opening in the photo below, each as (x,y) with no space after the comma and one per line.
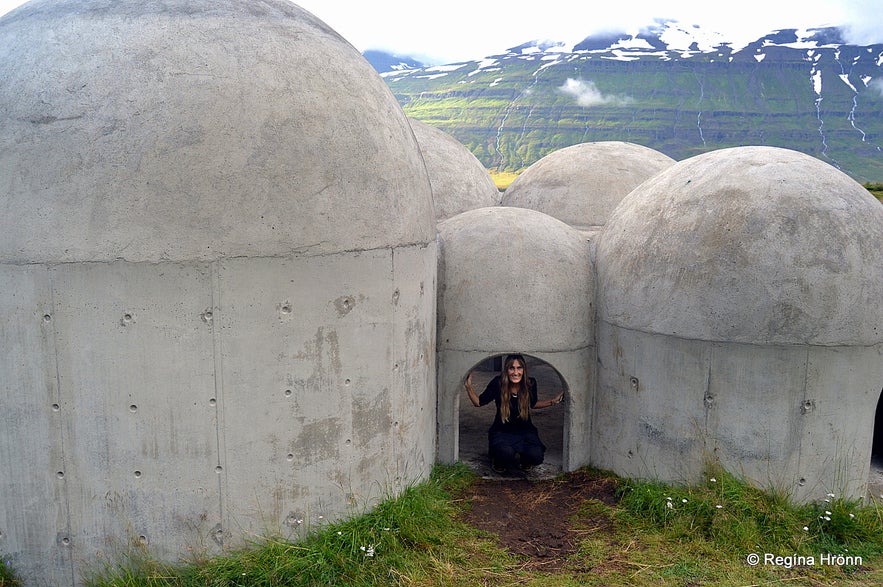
(550,422)
(875,483)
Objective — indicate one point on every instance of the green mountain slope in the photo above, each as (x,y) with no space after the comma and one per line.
(824,99)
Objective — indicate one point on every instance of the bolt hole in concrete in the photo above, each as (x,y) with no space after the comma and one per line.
(474,422)
(875,482)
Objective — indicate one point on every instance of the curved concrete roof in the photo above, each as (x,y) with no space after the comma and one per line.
(197,129)
(459,180)
(750,244)
(582,184)
(513,279)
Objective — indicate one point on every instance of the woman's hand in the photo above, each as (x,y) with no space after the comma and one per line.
(470,391)
(551,402)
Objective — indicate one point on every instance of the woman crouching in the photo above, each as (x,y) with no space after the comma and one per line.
(513,440)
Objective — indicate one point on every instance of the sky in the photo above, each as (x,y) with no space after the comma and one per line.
(447,31)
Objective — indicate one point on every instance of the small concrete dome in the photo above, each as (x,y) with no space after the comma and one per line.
(459,180)
(511,278)
(749,244)
(131,133)
(582,184)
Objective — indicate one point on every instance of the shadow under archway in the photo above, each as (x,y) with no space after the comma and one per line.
(875,481)
(474,422)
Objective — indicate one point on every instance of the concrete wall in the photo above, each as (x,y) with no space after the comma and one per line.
(799,419)
(217,282)
(185,407)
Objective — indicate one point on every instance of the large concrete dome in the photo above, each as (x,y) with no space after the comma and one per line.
(195,129)
(751,244)
(459,180)
(217,282)
(582,184)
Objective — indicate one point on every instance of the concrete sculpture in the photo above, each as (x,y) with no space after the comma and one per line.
(514,279)
(217,281)
(226,307)
(582,184)
(740,320)
(459,180)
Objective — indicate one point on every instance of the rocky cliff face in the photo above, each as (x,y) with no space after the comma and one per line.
(670,88)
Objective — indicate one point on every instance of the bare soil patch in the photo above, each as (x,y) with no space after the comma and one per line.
(542,520)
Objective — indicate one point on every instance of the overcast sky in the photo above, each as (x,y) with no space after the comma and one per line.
(445,31)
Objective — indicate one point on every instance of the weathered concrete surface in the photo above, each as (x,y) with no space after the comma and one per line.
(582,184)
(740,320)
(754,244)
(459,180)
(222,118)
(217,282)
(514,280)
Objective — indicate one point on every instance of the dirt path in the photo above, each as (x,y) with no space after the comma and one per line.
(542,519)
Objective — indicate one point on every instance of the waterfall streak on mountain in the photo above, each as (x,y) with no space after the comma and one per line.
(699,108)
(844,76)
(499,157)
(816,79)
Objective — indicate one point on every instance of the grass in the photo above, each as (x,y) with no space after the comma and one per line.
(503,179)
(876,190)
(655,534)
(414,539)
(7,576)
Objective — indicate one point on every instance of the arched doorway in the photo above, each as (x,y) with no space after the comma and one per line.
(875,482)
(474,422)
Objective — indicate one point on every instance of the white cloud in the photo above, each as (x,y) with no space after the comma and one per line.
(586,94)
(458,30)
(876,85)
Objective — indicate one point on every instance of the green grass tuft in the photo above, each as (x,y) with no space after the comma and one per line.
(737,518)
(412,539)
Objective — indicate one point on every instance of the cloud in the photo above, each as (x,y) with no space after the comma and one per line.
(587,94)
(876,84)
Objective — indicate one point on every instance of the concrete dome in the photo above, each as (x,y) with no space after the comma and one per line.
(750,244)
(459,180)
(129,132)
(511,278)
(582,184)
(217,272)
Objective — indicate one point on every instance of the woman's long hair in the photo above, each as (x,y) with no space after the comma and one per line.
(506,390)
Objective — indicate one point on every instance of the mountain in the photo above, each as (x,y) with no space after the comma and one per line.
(676,89)
(384,62)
